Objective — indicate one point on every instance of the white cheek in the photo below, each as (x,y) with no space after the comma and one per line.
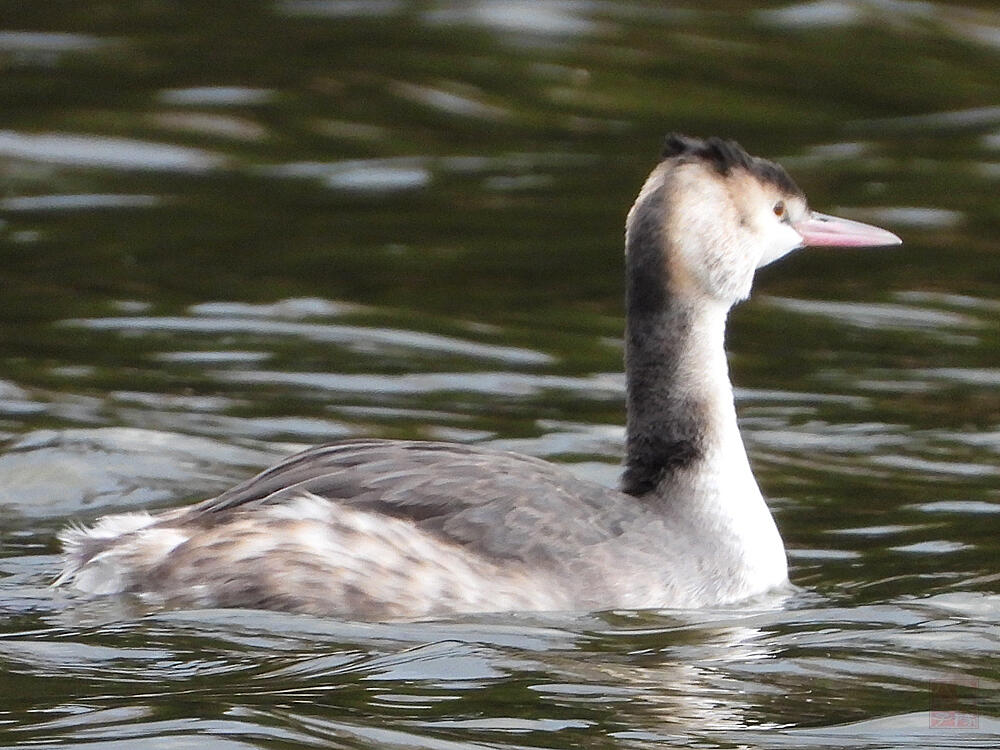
(779,240)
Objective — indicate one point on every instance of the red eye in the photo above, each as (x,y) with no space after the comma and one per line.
(779,209)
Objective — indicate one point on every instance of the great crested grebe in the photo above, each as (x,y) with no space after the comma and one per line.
(379,529)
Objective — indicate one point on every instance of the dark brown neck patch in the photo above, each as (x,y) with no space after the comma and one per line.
(664,426)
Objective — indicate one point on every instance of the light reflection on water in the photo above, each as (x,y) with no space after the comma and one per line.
(111,153)
(317,219)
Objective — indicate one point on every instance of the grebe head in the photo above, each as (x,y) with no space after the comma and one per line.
(725,214)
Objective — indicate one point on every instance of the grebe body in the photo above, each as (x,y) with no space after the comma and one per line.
(380,529)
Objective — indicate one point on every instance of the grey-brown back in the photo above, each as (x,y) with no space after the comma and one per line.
(498,505)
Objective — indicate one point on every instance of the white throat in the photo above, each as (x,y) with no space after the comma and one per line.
(717,497)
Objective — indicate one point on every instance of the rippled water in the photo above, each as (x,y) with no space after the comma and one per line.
(231,231)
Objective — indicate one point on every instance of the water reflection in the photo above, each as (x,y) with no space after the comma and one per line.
(518,17)
(363,338)
(78,202)
(216,96)
(880,315)
(102,151)
(46,49)
(59,473)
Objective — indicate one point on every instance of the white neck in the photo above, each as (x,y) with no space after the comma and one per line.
(684,453)
(716,497)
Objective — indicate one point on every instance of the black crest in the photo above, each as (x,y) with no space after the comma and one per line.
(725,156)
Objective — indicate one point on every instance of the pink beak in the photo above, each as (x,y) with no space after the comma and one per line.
(820,230)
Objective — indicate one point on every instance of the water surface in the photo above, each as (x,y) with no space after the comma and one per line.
(230,232)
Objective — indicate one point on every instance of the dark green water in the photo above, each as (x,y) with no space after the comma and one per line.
(228,230)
